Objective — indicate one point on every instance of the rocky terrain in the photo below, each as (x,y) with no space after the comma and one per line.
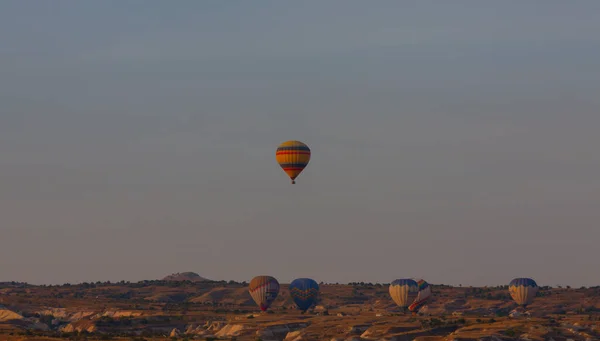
(209,310)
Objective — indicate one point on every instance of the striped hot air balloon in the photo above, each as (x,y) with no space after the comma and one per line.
(305,292)
(403,291)
(523,290)
(422,296)
(264,290)
(293,156)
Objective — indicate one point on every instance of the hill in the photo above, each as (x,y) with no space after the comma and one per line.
(185,276)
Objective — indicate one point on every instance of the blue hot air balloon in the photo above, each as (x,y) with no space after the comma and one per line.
(305,292)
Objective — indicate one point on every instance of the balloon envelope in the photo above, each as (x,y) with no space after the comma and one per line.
(422,296)
(293,156)
(264,290)
(305,292)
(403,291)
(523,290)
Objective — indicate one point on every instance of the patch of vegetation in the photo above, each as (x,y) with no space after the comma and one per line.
(122,296)
(436,323)
(502,312)
(47,320)
(510,332)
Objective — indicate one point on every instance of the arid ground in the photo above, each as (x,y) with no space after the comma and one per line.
(193,308)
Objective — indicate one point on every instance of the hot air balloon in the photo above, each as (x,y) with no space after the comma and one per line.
(305,292)
(293,156)
(264,290)
(422,296)
(523,290)
(403,291)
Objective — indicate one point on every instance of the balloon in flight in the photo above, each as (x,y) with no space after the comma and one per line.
(523,290)
(264,290)
(423,296)
(403,291)
(305,292)
(293,156)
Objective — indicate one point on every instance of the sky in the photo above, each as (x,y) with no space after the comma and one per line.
(451,141)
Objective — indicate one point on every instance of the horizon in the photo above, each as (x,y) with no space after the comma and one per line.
(247,281)
(455,142)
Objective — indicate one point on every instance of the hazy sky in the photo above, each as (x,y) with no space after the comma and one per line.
(453,141)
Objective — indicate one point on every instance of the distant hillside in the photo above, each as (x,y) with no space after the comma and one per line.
(185,276)
(225,309)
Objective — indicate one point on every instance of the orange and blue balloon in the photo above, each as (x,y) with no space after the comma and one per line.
(403,291)
(305,292)
(523,290)
(293,156)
